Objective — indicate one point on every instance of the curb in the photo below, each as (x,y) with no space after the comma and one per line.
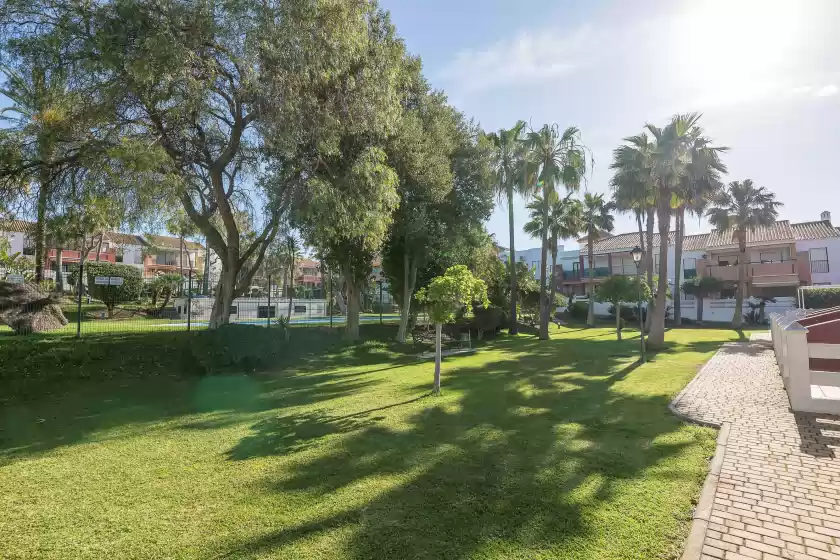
(703,511)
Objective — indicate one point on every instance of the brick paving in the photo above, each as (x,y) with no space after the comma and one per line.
(778,491)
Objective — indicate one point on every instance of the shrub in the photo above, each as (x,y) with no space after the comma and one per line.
(821,298)
(111,295)
(629,313)
(487,320)
(240,346)
(579,310)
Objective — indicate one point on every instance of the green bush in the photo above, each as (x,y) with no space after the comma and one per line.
(821,298)
(629,313)
(129,291)
(487,320)
(239,346)
(579,310)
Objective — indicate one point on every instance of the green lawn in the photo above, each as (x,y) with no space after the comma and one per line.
(559,450)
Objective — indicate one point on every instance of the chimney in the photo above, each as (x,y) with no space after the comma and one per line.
(826,216)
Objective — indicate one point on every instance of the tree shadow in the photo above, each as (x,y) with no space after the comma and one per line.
(514,458)
(819,433)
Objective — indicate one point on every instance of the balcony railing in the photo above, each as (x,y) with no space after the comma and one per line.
(571,275)
(819,266)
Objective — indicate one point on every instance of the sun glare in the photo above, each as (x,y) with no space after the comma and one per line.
(738,43)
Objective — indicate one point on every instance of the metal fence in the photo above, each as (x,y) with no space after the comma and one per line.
(149,301)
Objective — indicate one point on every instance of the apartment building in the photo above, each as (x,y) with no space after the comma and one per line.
(780,259)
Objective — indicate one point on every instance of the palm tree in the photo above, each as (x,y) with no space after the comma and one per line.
(39,112)
(742,207)
(556,158)
(697,186)
(669,162)
(596,220)
(633,190)
(565,220)
(507,165)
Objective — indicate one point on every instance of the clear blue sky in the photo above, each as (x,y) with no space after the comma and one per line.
(764,73)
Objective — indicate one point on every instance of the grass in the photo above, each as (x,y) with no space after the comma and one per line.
(559,449)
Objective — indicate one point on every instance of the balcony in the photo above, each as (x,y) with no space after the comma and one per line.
(571,275)
(782,273)
(819,267)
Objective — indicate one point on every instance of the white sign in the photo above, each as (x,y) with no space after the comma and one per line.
(101,280)
(14,278)
(116,280)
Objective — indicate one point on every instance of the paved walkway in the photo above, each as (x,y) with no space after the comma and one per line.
(778,489)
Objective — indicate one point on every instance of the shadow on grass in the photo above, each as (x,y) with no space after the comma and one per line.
(515,454)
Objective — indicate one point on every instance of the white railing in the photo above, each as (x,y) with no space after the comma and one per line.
(794,354)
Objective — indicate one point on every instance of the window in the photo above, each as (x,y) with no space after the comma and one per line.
(819,259)
(264,311)
(234,310)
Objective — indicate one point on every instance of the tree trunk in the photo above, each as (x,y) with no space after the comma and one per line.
(99,246)
(699,309)
(738,318)
(648,262)
(352,329)
(552,305)
(543,260)
(409,279)
(678,251)
(59,278)
(181,262)
(656,338)
(590,317)
(438,357)
(514,329)
(618,319)
(220,314)
(40,224)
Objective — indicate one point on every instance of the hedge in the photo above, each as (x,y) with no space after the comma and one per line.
(821,298)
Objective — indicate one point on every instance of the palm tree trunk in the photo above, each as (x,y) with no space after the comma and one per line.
(552,306)
(678,251)
(737,318)
(617,306)
(590,316)
(648,262)
(59,278)
(543,260)
(656,338)
(512,258)
(699,308)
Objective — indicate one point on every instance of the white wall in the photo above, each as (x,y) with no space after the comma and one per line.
(833,247)
(15,240)
(722,310)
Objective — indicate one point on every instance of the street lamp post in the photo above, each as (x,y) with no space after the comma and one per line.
(379,279)
(637,254)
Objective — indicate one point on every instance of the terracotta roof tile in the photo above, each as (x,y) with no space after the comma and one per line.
(814,230)
(621,242)
(780,231)
(17,226)
(695,242)
(172,242)
(124,238)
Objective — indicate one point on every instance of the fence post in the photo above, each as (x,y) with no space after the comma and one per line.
(268,313)
(799,371)
(189,303)
(79,298)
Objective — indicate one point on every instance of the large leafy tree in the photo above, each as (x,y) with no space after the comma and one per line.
(565,220)
(742,207)
(620,289)
(249,101)
(596,220)
(557,158)
(509,171)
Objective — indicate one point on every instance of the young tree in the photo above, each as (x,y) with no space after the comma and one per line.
(596,221)
(444,296)
(509,172)
(618,289)
(742,207)
(701,287)
(557,158)
(291,258)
